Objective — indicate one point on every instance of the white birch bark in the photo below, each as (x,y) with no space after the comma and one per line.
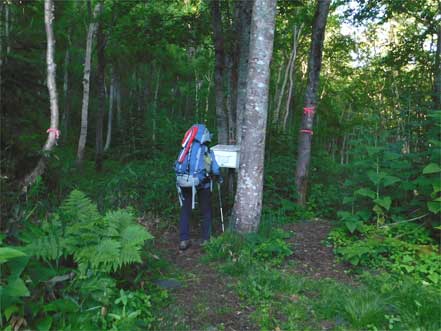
(86,83)
(53,132)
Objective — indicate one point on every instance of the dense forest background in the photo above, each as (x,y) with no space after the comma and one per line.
(79,243)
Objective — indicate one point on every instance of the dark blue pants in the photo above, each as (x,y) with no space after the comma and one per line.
(204,201)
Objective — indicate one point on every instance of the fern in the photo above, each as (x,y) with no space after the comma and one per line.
(97,243)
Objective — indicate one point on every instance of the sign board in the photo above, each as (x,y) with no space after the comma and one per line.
(227,156)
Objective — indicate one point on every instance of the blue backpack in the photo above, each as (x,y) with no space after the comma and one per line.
(193,164)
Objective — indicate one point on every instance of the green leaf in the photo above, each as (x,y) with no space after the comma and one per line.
(376,178)
(16,288)
(373,150)
(352,226)
(8,253)
(344,215)
(436,187)
(347,200)
(434,206)
(62,306)
(365,192)
(390,180)
(45,324)
(10,310)
(384,202)
(431,168)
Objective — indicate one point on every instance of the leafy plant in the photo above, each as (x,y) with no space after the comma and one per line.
(98,243)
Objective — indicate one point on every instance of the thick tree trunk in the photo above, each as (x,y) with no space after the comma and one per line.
(314,66)
(437,85)
(245,12)
(295,43)
(86,85)
(53,97)
(110,115)
(101,68)
(248,201)
(219,48)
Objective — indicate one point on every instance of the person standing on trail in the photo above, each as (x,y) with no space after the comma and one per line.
(195,169)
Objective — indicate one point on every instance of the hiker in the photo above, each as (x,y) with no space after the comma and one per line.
(195,168)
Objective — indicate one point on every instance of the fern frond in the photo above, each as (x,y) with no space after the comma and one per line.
(135,235)
(119,219)
(130,255)
(78,207)
(106,255)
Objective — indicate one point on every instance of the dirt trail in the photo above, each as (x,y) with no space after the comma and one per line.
(313,258)
(207,301)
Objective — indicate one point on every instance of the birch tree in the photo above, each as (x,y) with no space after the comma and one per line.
(248,201)
(86,84)
(53,132)
(314,66)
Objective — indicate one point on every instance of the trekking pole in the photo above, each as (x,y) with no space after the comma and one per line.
(220,206)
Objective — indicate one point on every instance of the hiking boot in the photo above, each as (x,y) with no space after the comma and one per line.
(184,244)
(202,242)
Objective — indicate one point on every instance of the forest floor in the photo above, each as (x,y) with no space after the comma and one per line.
(204,299)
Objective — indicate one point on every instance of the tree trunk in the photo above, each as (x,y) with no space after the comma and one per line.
(207,98)
(101,68)
(7,13)
(2,6)
(246,9)
(66,103)
(155,104)
(110,115)
(53,97)
(282,92)
(229,89)
(248,201)
(221,116)
(314,66)
(86,85)
(437,85)
(295,43)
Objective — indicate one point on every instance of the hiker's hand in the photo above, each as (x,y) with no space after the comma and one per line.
(219,179)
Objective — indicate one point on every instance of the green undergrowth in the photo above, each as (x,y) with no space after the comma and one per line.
(79,269)
(282,299)
(402,250)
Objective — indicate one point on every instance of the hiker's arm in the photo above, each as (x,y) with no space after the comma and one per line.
(214,165)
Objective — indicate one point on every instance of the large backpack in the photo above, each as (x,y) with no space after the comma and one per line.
(193,164)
